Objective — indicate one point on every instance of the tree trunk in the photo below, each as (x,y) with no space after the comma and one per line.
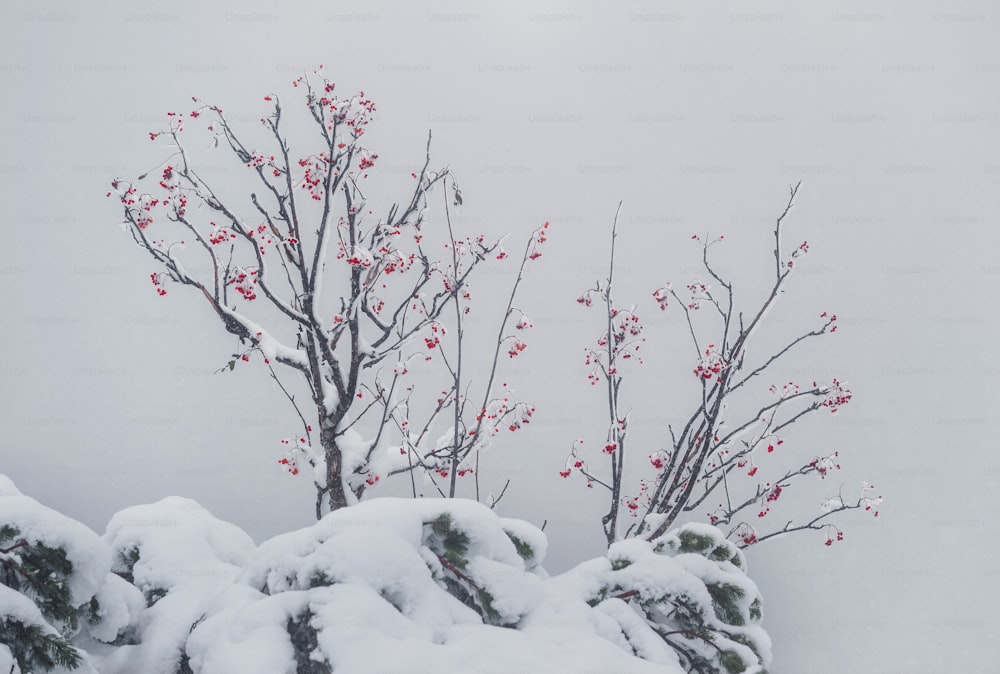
(334,469)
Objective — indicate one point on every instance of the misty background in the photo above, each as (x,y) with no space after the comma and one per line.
(698,119)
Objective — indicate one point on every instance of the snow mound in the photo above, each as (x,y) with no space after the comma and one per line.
(119,605)
(179,556)
(8,488)
(175,543)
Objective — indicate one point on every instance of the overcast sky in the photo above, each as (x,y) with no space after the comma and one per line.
(698,118)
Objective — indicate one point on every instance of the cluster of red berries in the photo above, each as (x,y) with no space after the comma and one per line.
(661,295)
(297,445)
(461,472)
(144,218)
(315,172)
(658,460)
(770,496)
(516,348)
(573,460)
(831,321)
(538,237)
(632,502)
(711,365)
(244,282)
(175,122)
(699,292)
(403,367)
(394,261)
(128,196)
(170,181)
(504,410)
(870,501)
(335,111)
(829,541)
(836,396)
(257,160)
(437,331)
(624,324)
(357,122)
(220,234)
(289,465)
(824,464)
(357,256)
(802,249)
(523,413)
(157,280)
(747,534)
(786,390)
(362,115)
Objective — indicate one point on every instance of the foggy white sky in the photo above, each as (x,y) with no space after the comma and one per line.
(697,117)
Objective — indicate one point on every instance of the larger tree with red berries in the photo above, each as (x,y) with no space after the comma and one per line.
(306,275)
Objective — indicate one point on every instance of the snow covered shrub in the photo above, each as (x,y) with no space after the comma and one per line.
(55,588)
(362,579)
(428,585)
(178,556)
(688,591)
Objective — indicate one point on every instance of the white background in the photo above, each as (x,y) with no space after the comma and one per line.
(698,118)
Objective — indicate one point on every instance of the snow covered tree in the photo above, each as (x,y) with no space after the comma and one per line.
(28,642)
(351,300)
(728,431)
(55,585)
(40,572)
(689,589)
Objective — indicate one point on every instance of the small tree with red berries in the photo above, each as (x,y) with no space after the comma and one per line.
(350,325)
(713,448)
